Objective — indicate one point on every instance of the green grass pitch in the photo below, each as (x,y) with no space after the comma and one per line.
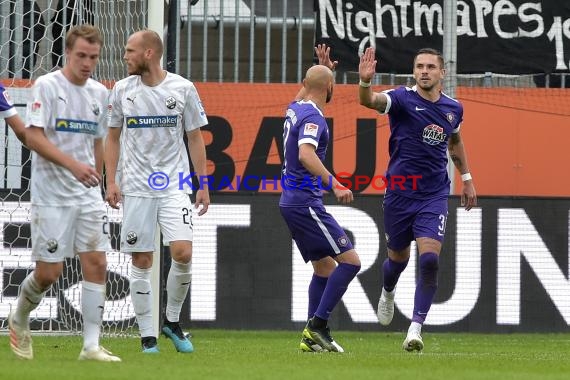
(275,355)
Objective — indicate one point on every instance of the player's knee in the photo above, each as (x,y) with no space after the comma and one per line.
(47,274)
(429,266)
(181,252)
(429,262)
(142,260)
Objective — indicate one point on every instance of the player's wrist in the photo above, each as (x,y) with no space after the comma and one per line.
(364,84)
(466,177)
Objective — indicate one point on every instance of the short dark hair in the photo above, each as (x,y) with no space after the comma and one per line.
(432,52)
(89,32)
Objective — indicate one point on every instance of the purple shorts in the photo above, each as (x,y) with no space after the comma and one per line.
(406,219)
(316,232)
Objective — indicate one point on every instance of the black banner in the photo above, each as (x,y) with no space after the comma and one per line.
(500,36)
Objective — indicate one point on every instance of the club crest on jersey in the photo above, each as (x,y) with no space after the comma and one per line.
(311,129)
(51,245)
(343,241)
(95,109)
(433,134)
(450,116)
(170,102)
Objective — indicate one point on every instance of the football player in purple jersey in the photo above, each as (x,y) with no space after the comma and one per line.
(424,126)
(319,237)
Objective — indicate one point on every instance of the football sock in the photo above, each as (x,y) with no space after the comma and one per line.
(30,297)
(92,307)
(141,296)
(392,270)
(316,289)
(335,288)
(426,287)
(177,285)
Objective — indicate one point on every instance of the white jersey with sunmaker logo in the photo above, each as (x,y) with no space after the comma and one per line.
(72,117)
(154,120)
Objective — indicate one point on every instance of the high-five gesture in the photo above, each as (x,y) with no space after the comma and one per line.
(367,66)
(323,54)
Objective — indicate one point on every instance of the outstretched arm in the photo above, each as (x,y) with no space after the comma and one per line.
(366,70)
(459,158)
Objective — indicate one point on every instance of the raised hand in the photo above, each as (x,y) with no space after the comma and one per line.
(367,65)
(323,54)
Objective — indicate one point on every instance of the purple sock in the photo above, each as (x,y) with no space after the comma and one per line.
(392,270)
(426,287)
(335,289)
(316,289)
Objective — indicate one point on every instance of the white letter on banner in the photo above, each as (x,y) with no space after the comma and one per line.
(517,237)
(529,18)
(464,19)
(482,9)
(403,5)
(430,14)
(326,9)
(503,8)
(380,10)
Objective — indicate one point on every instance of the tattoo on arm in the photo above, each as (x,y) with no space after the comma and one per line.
(456,161)
(454,141)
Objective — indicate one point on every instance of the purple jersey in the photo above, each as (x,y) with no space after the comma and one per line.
(304,124)
(419,133)
(6,106)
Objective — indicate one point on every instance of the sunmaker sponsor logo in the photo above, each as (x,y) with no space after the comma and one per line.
(76,126)
(151,121)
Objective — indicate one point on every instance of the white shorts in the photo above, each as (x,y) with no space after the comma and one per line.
(141,215)
(62,231)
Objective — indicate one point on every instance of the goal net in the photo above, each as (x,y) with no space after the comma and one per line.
(32,40)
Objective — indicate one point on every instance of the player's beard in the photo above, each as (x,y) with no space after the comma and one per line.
(139,69)
(427,86)
(329,95)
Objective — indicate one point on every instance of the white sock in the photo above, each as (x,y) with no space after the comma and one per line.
(30,297)
(141,296)
(177,285)
(415,327)
(92,307)
(389,294)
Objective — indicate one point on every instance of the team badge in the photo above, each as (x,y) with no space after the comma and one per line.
(51,245)
(343,241)
(95,109)
(450,117)
(132,237)
(170,102)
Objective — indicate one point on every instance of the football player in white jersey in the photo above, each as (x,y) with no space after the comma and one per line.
(149,113)
(10,115)
(65,127)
